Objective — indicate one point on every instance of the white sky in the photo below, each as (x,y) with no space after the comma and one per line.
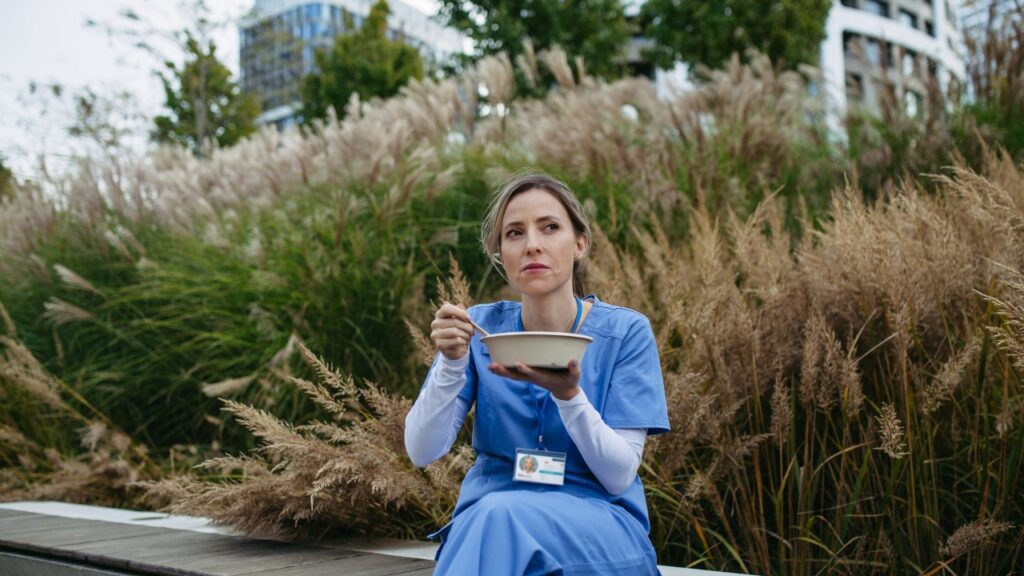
(47,41)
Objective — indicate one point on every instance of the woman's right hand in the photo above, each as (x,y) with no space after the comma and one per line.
(451,331)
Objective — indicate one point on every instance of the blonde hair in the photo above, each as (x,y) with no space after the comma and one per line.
(490,228)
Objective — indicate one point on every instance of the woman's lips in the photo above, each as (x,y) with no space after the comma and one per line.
(535,268)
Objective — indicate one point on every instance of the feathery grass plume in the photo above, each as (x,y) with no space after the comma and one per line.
(581,71)
(527,63)
(117,244)
(557,62)
(692,416)
(782,412)
(92,434)
(970,536)
(496,73)
(761,249)
(226,387)
(20,368)
(325,398)
(73,280)
(606,271)
(455,288)
(718,321)
(891,432)
(1004,421)
(818,386)
(9,327)
(60,312)
(949,377)
(1009,335)
(424,346)
(848,378)
(343,385)
(279,436)
(284,353)
(14,438)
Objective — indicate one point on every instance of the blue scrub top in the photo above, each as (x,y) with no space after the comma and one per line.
(621,375)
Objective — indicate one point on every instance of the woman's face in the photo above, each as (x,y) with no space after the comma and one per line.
(538,243)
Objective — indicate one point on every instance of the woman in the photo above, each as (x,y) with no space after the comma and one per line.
(588,423)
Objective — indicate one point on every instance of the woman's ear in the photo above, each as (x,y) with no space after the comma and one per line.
(582,247)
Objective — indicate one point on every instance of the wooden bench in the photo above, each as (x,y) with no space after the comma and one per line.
(57,539)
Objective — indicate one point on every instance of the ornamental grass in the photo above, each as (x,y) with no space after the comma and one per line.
(230,337)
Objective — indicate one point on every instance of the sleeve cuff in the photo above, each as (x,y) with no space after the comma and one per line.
(454,367)
(577,400)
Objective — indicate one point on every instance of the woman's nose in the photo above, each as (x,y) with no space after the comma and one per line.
(532,242)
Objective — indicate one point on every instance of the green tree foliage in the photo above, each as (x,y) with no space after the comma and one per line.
(203,102)
(596,30)
(6,181)
(365,62)
(709,31)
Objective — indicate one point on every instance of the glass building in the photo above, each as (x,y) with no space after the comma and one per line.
(279,37)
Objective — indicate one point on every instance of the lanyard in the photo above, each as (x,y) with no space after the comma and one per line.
(539,404)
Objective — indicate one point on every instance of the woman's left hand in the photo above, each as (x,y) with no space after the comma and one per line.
(563,384)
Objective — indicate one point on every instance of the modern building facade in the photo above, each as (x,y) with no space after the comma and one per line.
(279,37)
(908,45)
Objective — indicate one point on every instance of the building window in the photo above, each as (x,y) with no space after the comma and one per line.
(929,28)
(876,7)
(873,52)
(912,103)
(850,42)
(854,86)
(954,90)
(850,3)
(908,19)
(909,63)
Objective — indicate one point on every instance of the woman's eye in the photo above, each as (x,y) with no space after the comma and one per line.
(511,233)
(551,227)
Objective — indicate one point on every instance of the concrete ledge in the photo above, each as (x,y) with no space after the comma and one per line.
(389,547)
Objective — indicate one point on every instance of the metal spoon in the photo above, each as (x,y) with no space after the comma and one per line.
(475,325)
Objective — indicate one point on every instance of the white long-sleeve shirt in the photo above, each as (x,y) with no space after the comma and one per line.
(613,455)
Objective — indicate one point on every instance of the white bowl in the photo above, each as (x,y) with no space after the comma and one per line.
(550,350)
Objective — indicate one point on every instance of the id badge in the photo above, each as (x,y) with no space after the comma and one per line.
(539,466)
